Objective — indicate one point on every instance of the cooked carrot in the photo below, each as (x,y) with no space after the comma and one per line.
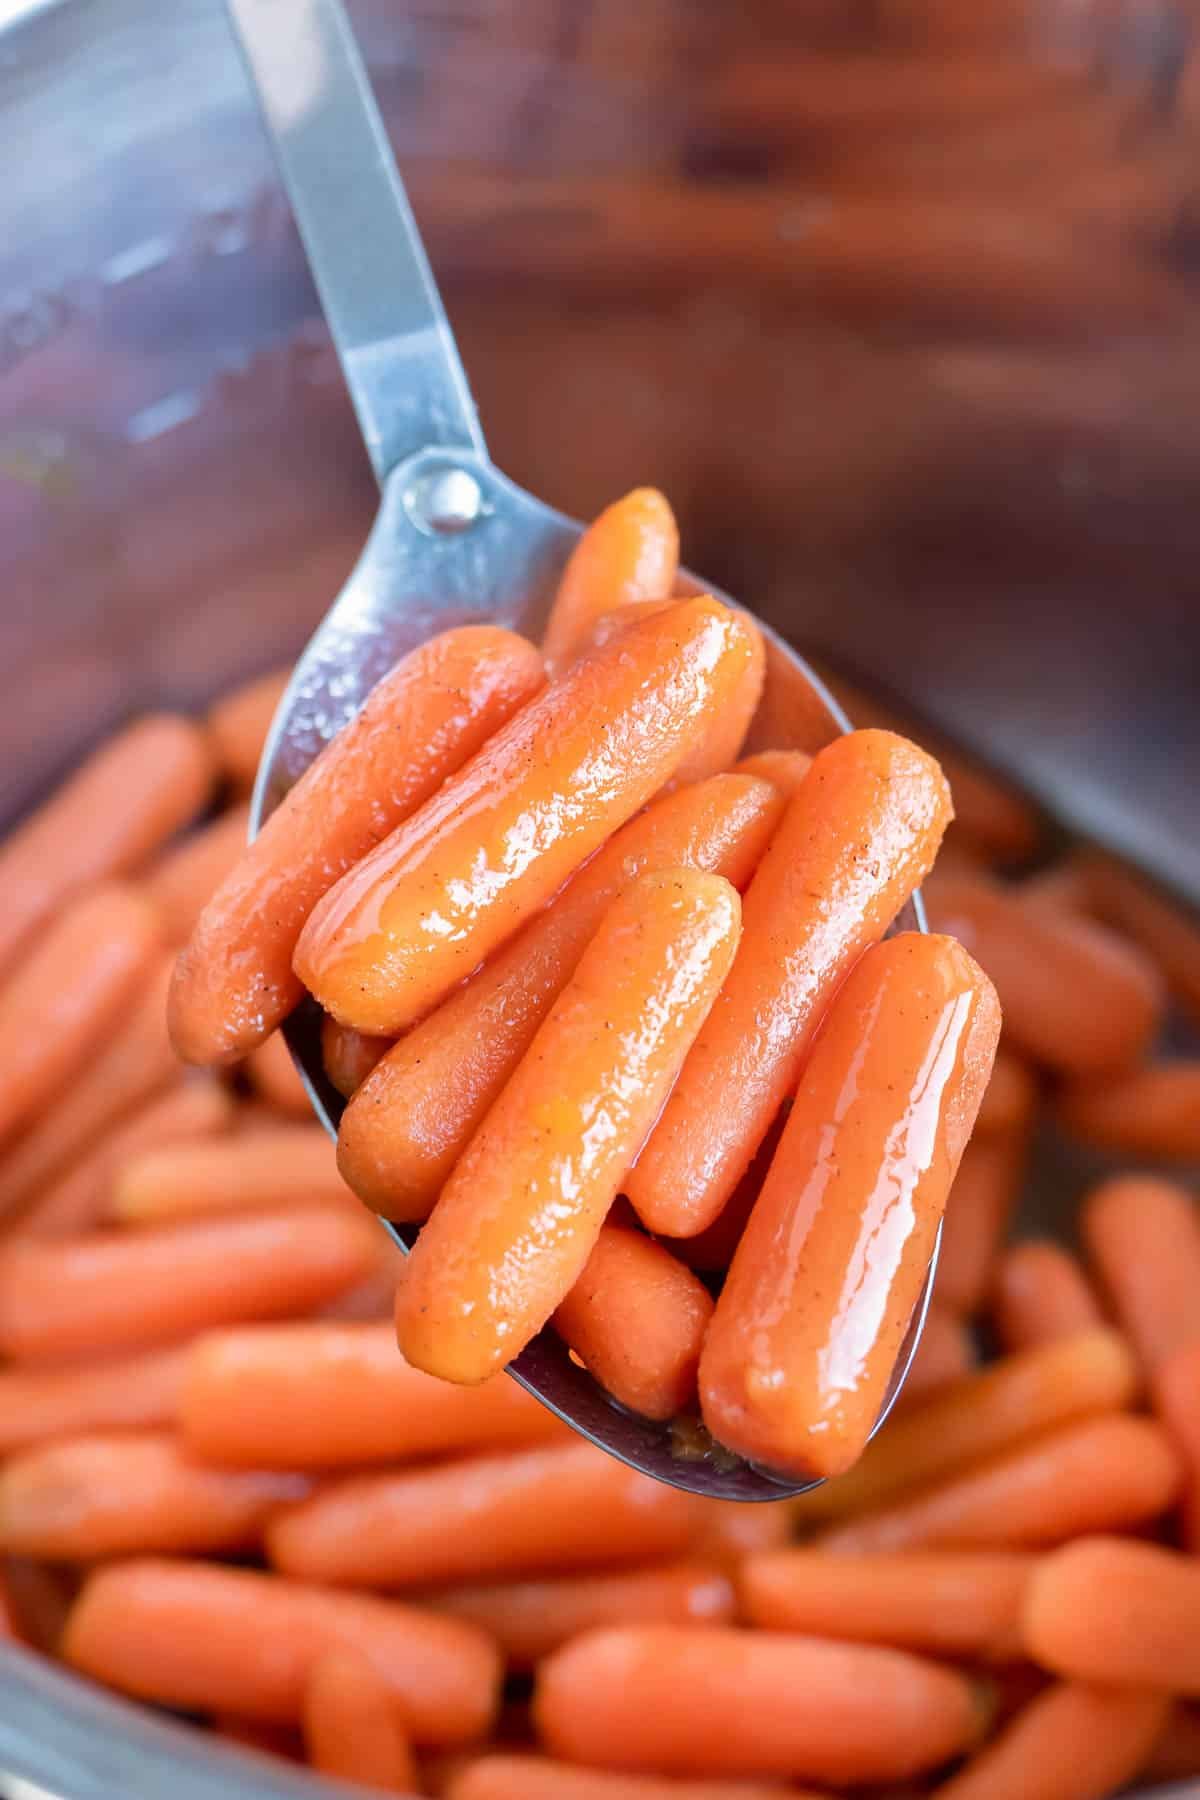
(1143,1239)
(944,1355)
(419,1109)
(125,1393)
(292,1165)
(1175,1388)
(352,1728)
(1175,1755)
(1076,997)
(629,553)
(1105,1609)
(185,877)
(1162,926)
(209,1639)
(712,1249)
(447,887)
(234,982)
(349,1056)
(311,1395)
(960,1603)
(1153,1111)
(857,836)
(118,1493)
(69,990)
(513,1777)
(114,1292)
(239,722)
(113,812)
(519,1217)
(1010,1099)
(1074,1742)
(834,1257)
(784,769)
(978,1213)
(273,1077)
(527,1511)
(636,1318)
(1039,1294)
(529,1619)
(721,743)
(725,1531)
(1104,1474)
(661,1697)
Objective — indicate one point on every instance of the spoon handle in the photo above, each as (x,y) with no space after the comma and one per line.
(395,344)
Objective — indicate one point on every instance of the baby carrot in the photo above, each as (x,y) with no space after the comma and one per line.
(238,725)
(629,553)
(978,1212)
(420,1108)
(1074,1742)
(527,1511)
(272,1076)
(1152,1111)
(487,1270)
(1143,1238)
(234,981)
(661,1697)
(944,1355)
(116,1494)
(113,812)
(352,1728)
(57,1006)
(712,1249)
(1041,1293)
(1106,1609)
(832,1262)
(502,835)
(314,1395)
(636,1318)
(516,1777)
(291,1165)
(725,1531)
(784,769)
(1163,927)
(109,1293)
(1175,1388)
(124,1393)
(185,877)
(1104,1474)
(857,837)
(1010,1096)
(960,1603)
(349,1056)
(529,1619)
(211,1639)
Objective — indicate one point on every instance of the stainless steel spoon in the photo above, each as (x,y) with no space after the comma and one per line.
(454,541)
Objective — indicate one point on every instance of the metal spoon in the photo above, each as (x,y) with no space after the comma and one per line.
(454,541)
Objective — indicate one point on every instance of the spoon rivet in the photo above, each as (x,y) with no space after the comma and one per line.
(444,502)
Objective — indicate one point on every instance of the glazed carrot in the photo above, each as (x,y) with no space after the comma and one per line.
(1010,1097)
(238,725)
(473,864)
(352,1728)
(1175,1755)
(712,1249)
(292,1165)
(1164,928)
(113,812)
(125,1393)
(1105,1609)
(1076,998)
(209,1639)
(1143,1239)
(529,1619)
(986,1414)
(1074,1742)
(661,1697)
(487,1271)
(636,1318)
(563,1507)
(273,1077)
(784,769)
(311,1395)
(857,837)
(58,1006)
(1153,1111)
(185,878)
(109,1293)
(629,553)
(944,1355)
(978,1213)
(1175,1388)
(835,1255)
(727,730)
(514,1777)
(1039,1294)
(119,1493)
(961,1603)
(1104,1474)
(419,1109)
(349,1056)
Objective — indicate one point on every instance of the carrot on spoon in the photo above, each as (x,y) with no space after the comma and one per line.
(628,554)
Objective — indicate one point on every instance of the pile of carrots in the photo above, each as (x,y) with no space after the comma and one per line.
(224,1492)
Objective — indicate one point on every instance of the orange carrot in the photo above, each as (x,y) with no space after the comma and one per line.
(662,1697)
(1040,1293)
(1143,1238)
(1074,1742)
(486,1272)
(636,1318)
(292,1165)
(349,1056)
(1175,1755)
(962,1603)
(978,1213)
(1106,1609)
(713,1248)
(1164,928)
(238,725)
(312,1395)
(629,553)
(832,1262)
(112,813)
(274,1079)
(209,1639)
(944,1355)
(421,1106)
(57,1007)
(1102,1475)
(185,878)
(725,1530)
(514,1777)
(1010,1098)
(109,1293)
(234,982)
(115,1494)
(352,1728)
(784,769)
(529,1619)
(1175,1387)
(857,836)
(125,1393)
(1152,1111)
(528,1511)
(502,835)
